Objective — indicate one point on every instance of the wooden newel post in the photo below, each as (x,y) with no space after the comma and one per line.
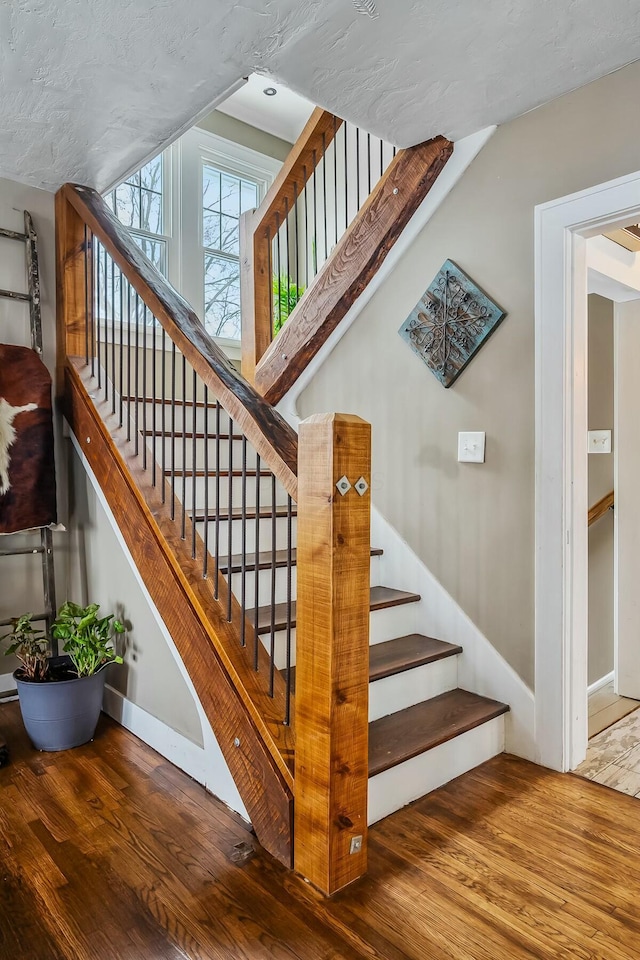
(332,650)
(255,292)
(74,283)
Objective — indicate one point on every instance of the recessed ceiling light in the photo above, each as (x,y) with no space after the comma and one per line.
(367,7)
(269,91)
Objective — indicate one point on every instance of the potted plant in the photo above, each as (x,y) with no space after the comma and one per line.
(61,697)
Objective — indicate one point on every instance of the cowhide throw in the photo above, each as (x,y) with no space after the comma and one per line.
(27,470)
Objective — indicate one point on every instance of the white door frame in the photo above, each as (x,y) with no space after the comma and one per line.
(561,545)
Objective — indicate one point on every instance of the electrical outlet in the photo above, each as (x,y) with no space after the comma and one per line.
(356,844)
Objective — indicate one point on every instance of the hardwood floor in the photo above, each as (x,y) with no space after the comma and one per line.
(107,851)
(606,708)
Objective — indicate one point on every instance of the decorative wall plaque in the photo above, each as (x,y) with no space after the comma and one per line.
(450,323)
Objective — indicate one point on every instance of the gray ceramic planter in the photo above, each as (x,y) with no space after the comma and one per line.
(61,714)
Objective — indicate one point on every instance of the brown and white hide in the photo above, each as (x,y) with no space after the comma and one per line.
(27,469)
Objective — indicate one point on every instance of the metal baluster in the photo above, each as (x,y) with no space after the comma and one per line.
(381,157)
(106,324)
(357,169)
(164,415)
(295,223)
(257,567)
(86,299)
(335,176)
(229,520)
(278,269)
(272,630)
(216,545)
(183,516)
(306,228)
(121,416)
(173,430)
(324,193)
(205,555)
(113,337)
(314,248)
(346,178)
(93,293)
(128,360)
(368,164)
(98,309)
(137,375)
(144,387)
(193,472)
(154,403)
(243,555)
(286,247)
(287,714)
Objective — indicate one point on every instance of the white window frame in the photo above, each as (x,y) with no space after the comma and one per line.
(182,208)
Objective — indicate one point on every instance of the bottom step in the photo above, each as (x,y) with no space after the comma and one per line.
(416,750)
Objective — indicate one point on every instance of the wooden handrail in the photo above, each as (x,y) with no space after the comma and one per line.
(600,508)
(267,431)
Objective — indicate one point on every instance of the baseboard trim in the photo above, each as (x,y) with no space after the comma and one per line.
(7,684)
(599,684)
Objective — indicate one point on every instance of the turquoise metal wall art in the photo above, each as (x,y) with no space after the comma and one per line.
(450,323)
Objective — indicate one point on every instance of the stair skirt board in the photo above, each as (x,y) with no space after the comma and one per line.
(395,788)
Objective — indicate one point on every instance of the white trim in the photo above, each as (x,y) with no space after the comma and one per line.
(599,684)
(561,229)
(213,770)
(7,684)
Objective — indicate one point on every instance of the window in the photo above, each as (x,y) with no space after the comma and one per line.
(224,197)
(183,208)
(139,203)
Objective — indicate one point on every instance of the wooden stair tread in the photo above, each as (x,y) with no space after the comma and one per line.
(264,560)
(250,514)
(380,599)
(410,732)
(404,653)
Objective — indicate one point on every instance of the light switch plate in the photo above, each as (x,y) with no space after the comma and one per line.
(471,447)
(599,441)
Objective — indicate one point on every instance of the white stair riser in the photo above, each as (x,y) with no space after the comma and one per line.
(413,686)
(176,416)
(176,453)
(264,586)
(236,535)
(223,494)
(394,622)
(395,788)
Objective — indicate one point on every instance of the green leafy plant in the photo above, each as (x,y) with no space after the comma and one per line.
(30,646)
(286,294)
(87,638)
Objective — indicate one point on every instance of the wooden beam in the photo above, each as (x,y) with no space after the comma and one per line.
(600,508)
(206,642)
(352,264)
(269,434)
(332,641)
(73,286)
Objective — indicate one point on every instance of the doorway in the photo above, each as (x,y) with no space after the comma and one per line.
(562,229)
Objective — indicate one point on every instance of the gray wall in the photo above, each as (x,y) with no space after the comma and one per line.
(601,553)
(474,525)
(239,132)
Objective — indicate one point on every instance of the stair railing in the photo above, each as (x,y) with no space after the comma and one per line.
(165,421)
(326,224)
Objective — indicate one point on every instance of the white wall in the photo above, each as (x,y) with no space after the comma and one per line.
(601,391)
(627,509)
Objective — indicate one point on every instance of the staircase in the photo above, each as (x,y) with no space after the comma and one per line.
(330,706)
(415,705)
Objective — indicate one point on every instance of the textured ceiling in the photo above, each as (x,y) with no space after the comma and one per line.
(90,87)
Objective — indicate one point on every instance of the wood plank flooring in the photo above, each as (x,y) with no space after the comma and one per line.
(606,708)
(107,851)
